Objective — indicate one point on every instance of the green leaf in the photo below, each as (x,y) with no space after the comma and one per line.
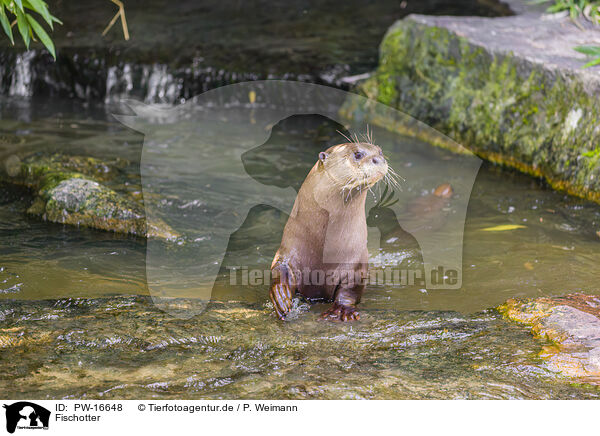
(41,8)
(41,33)
(23,28)
(19,4)
(592,63)
(589,50)
(6,24)
(554,8)
(574,13)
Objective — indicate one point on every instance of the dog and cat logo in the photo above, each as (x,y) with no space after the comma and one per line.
(26,415)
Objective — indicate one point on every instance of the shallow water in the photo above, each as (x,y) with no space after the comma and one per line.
(76,321)
(122,347)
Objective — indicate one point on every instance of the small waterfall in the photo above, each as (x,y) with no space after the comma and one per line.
(22,77)
(154,84)
(119,82)
(111,82)
(82,77)
(160,86)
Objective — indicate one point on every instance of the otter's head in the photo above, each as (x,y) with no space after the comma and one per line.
(354,165)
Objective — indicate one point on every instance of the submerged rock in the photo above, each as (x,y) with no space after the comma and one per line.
(571,324)
(124,347)
(68,190)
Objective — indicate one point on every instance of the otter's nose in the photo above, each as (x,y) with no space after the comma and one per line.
(377,160)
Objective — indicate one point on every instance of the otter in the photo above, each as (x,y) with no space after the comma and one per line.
(323,253)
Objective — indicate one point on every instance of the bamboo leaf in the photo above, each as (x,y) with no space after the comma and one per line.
(592,63)
(41,8)
(6,24)
(42,35)
(19,4)
(589,50)
(553,9)
(23,28)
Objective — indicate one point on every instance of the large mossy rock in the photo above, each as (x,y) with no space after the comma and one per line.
(42,166)
(73,190)
(510,89)
(570,324)
(81,201)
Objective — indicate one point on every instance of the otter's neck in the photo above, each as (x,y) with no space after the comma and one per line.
(319,192)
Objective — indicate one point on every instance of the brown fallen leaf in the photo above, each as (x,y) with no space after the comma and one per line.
(528,266)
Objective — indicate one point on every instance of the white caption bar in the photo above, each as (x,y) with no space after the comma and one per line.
(151,417)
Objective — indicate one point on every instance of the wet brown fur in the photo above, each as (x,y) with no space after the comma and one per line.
(323,253)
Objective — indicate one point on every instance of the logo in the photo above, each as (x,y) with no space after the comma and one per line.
(26,415)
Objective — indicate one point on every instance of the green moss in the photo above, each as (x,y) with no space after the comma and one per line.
(71,190)
(499,106)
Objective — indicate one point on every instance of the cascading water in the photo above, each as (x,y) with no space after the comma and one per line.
(22,76)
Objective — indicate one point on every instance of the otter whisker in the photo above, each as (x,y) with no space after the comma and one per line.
(369,135)
(373,194)
(391,178)
(349,140)
(391,181)
(394,173)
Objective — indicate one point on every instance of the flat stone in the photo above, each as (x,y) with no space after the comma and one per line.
(579,327)
(532,37)
(511,89)
(571,324)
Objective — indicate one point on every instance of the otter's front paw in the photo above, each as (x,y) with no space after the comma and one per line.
(281,296)
(338,312)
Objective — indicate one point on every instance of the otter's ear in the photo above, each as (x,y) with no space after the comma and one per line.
(323,156)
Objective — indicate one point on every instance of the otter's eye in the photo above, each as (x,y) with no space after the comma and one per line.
(359,155)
